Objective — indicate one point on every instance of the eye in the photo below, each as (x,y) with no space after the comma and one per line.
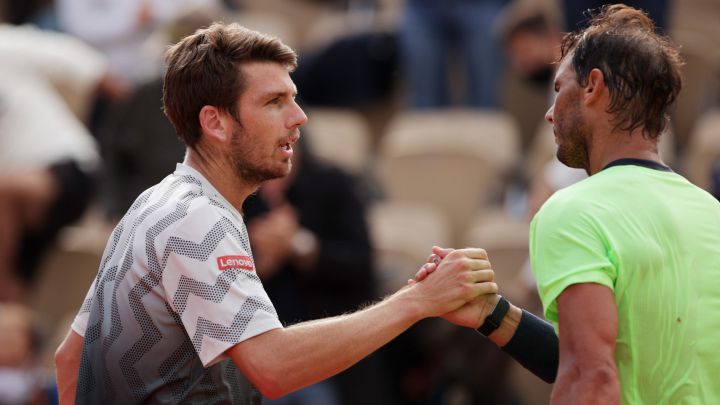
(274,101)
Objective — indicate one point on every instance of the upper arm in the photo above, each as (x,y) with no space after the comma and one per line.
(588,324)
(588,329)
(67,364)
(71,348)
(254,357)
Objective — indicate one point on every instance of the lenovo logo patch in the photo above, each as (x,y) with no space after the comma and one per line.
(235,262)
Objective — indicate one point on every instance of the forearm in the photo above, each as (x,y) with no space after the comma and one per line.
(284,360)
(67,366)
(529,340)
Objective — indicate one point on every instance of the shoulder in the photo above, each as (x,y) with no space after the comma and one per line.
(180,206)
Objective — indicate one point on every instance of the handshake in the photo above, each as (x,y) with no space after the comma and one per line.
(458,285)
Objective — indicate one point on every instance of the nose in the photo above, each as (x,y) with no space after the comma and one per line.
(549,114)
(298,117)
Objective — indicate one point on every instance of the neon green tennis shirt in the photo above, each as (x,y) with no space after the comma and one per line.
(653,238)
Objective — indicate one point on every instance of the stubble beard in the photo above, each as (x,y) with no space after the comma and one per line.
(250,168)
(573,141)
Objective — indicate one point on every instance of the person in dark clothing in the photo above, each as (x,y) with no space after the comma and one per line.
(313,253)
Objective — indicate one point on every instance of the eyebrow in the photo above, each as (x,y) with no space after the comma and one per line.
(273,94)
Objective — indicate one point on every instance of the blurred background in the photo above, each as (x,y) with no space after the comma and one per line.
(426,128)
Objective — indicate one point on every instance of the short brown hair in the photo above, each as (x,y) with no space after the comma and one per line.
(640,66)
(204,69)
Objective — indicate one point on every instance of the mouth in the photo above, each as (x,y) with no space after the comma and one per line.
(286,149)
(287,146)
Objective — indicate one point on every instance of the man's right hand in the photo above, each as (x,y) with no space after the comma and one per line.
(462,276)
(471,314)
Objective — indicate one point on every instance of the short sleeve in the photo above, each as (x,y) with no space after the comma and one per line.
(567,247)
(79,324)
(211,283)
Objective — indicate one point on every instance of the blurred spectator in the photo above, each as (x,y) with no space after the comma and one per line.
(529,31)
(47,156)
(353,70)
(312,251)
(137,142)
(530,34)
(22,380)
(139,147)
(119,29)
(435,35)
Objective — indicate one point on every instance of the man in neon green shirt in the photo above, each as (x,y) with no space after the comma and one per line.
(627,261)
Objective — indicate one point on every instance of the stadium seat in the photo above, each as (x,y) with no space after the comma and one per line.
(704,150)
(340,136)
(403,235)
(505,238)
(453,159)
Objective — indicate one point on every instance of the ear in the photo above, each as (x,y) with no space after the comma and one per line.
(595,89)
(213,123)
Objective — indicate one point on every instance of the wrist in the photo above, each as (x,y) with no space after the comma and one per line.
(509,324)
(408,304)
(494,318)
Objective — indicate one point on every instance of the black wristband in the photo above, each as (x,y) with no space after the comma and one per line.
(535,346)
(493,320)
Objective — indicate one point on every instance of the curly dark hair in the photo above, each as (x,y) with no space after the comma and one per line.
(641,67)
(204,69)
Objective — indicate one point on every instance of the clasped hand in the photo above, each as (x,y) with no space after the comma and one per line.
(473,313)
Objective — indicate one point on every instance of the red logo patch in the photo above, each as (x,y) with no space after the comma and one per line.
(235,262)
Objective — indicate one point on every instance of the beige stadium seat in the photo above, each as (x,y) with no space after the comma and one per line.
(704,150)
(453,159)
(505,238)
(403,235)
(341,136)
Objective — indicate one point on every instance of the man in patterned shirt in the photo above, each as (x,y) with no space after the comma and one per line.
(177,313)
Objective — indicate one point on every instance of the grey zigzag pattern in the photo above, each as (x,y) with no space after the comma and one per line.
(86,383)
(197,251)
(169,368)
(149,337)
(150,333)
(201,252)
(234,332)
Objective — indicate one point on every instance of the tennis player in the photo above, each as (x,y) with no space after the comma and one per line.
(627,261)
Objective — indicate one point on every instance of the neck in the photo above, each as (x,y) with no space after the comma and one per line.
(221,175)
(616,145)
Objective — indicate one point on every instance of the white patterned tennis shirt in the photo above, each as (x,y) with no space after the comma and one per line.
(176,288)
